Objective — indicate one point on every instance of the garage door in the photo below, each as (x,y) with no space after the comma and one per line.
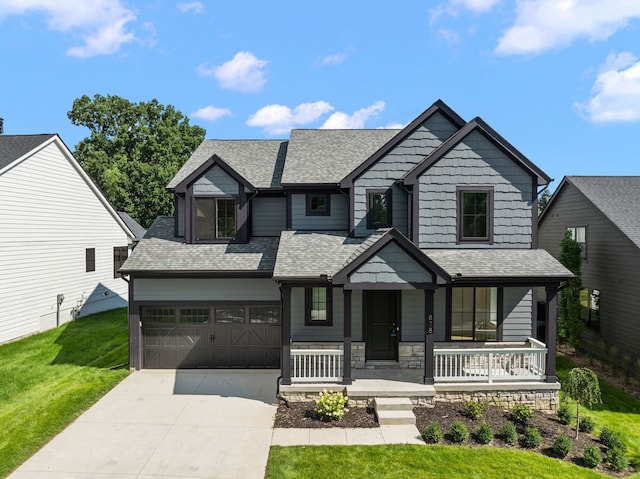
(217,336)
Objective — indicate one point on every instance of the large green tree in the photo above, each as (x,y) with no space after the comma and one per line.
(133,150)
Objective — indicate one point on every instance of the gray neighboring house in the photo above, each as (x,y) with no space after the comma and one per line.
(339,252)
(602,213)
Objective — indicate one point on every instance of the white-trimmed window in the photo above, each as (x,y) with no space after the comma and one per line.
(579,235)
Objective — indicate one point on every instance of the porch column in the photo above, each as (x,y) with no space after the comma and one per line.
(285,360)
(428,336)
(346,375)
(551,310)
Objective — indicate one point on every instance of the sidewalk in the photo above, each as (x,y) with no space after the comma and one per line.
(346,436)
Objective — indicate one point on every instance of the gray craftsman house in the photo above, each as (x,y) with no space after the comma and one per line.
(602,214)
(340,254)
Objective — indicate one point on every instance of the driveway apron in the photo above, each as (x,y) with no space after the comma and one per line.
(169,423)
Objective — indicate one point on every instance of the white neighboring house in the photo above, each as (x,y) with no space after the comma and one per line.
(61,242)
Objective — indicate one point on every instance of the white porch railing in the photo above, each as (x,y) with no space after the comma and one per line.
(316,365)
(525,363)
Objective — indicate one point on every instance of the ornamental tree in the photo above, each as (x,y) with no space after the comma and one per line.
(569,323)
(582,385)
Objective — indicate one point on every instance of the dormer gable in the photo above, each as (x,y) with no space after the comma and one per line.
(204,168)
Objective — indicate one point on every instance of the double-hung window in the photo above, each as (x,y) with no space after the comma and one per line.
(215,219)
(579,235)
(318,306)
(120,254)
(378,209)
(475,210)
(474,314)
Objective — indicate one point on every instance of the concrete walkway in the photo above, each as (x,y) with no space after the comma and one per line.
(161,424)
(186,424)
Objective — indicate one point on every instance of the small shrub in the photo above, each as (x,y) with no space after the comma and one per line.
(509,434)
(617,458)
(476,409)
(592,456)
(521,413)
(562,446)
(587,424)
(331,405)
(532,437)
(458,432)
(564,414)
(612,439)
(484,433)
(432,433)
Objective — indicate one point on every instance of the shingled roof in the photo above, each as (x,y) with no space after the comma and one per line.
(13,147)
(160,251)
(259,161)
(327,156)
(617,197)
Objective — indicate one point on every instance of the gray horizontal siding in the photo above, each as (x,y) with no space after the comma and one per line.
(393,266)
(393,166)
(612,265)
(215,182)
(338,220)
(300,332)
(205,289)
(518,308)
(412,322)
(268,216)
(475,162)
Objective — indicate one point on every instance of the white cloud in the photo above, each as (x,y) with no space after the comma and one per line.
(393,126)
(450,36)
(336,59)
(102,24)
(616,92)
(340,120)
(478,6)
(186,7)
(210,113)
(279,119)
(244,72)
(548,24)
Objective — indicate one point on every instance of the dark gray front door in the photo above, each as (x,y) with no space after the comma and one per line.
(382,326)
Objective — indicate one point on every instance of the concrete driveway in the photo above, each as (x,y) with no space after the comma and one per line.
(161,424)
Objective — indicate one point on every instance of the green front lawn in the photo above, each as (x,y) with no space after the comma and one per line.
(49,379)
(416,462)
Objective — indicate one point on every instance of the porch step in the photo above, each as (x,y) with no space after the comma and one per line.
(394,411)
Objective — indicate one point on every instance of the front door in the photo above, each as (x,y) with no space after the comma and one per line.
(382,325)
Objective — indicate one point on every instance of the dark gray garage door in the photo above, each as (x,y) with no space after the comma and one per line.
(217,336)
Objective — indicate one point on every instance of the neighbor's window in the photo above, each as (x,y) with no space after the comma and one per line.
(318,204)
(90,259)
(579,235)
(120,254)
(590,308)
(474,314)
(474,215)
(215,218)
(318,309)
(378,209)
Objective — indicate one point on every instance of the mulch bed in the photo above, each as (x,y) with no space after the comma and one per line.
(302,415)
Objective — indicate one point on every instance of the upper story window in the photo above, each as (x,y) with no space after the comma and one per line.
(215,218)
(378,209)
(318,204)
(579,235)
(120,254)
(475,211)
(318,306)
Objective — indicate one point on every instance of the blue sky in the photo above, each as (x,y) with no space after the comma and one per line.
(559,79)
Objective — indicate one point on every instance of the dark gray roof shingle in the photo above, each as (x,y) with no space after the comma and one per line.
(259,161)
(135,227)
(327,156)
(160,251)
(617,197)
(498,263)
(13,147)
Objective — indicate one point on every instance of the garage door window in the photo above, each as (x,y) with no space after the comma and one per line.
(159,315)
(229,315)
(194,315)
(264,314)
